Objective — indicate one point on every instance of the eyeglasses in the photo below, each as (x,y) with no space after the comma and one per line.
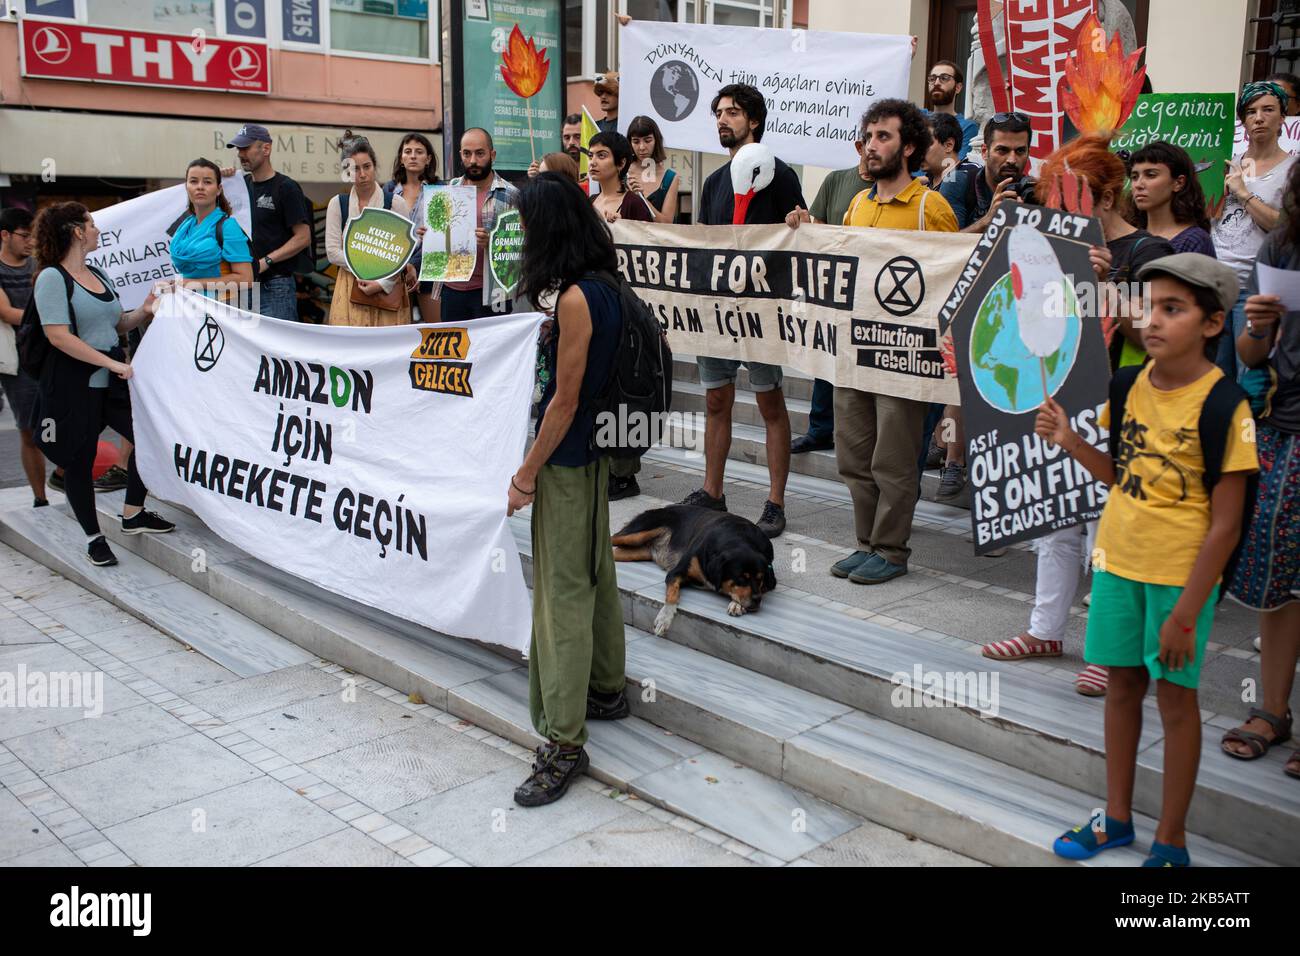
(1009,117)
(941,77)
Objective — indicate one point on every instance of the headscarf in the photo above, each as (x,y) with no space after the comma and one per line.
(1253,91)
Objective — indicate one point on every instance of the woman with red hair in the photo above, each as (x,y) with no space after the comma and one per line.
(1063,553)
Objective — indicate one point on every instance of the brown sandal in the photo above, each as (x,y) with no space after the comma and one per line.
(1258,744)
(1294,761)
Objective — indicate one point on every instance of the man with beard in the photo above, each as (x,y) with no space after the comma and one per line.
(878,437)
(943,84)
(571,136)
(606,90)
(1006,167)
(741,115)
(473,298)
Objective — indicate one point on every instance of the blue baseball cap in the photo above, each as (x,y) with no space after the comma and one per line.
(248,134)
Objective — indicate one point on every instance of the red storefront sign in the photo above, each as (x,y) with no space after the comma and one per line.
(75,51)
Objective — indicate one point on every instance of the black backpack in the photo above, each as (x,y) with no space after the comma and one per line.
(1214,425)
(640,386)
(33,347)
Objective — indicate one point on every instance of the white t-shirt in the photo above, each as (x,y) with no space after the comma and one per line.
(1237,237)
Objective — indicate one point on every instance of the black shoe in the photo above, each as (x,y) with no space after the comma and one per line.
(620,488)
(934,456)
(146,522)
(40,503)
(55,480)
(952,479)
(553,772)
(772,523)
(807,443)
(607,706)
(702,499)
(99,553)
(112,480)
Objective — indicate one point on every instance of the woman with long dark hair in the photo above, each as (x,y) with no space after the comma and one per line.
(610,159)
(415,166)
(1168,200)
(1267,576)
(650,175)
(209,249)
(83,383)
(575,664)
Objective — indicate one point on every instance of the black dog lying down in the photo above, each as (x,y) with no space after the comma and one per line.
(720,551)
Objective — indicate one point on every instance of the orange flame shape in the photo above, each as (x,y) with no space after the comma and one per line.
(1101,86)
(523,66)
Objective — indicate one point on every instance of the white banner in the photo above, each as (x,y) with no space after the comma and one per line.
(134,248)
(373,462)
(817,85)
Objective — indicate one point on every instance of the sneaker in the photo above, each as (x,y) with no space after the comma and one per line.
(846,566)
(876,570)
(553,772)
(952,479)
(772,523)
(620,488)
(55,480)
(607,706)
(935,456)
(702,499)
(40,503)
(805,443)
(99,553)
(112,480)
(146,522)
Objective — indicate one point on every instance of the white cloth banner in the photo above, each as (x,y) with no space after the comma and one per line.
(817,85)
(134,248)
(373,462)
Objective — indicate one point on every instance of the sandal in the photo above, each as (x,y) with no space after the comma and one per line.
(1081,842)
(1294,761)
(1258,744)
(1167,855)
(1091,681)
(1022,648)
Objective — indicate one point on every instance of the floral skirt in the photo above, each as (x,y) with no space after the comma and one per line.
(1268,569)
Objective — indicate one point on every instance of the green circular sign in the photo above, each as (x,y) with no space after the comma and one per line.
(506,250)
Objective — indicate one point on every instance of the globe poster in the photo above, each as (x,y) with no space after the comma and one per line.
(1023,325)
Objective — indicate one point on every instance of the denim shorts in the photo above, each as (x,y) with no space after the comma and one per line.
(717,372)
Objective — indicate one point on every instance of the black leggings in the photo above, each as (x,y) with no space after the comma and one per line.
(109,408)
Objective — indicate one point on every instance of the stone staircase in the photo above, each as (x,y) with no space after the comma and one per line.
(780,729)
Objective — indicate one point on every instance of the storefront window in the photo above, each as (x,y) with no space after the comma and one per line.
(387,27)
(165,16)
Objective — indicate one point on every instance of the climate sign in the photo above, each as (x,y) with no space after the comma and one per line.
(73,51)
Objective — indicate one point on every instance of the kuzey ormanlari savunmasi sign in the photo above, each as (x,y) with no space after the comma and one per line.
(374,462)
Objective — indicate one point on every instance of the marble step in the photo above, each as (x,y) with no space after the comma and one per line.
(733,749)
(1040,727)
(796,384)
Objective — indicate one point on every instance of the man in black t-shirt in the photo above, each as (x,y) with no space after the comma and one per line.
(282,224)
(741,114)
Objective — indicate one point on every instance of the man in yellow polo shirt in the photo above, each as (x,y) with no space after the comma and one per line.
(878,437)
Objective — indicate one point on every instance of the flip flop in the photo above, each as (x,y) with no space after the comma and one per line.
(1019,649)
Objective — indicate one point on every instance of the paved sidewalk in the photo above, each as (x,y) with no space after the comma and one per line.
(188,764)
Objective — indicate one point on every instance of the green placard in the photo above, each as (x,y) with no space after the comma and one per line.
(506,250)
(378,243)
(1201,123)
(490,103)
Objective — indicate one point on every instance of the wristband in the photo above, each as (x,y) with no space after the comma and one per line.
(521,490)
(1250,330)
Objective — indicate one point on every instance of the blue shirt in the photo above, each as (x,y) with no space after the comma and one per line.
(195,253)
(97,314)
(958,188)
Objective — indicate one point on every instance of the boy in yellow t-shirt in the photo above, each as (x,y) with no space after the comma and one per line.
(1162,544)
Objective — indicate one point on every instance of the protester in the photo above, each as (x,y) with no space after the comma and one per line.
(15,291)
(878,437)
(1007,138)
(561,163)
(651,176)
(609,163)
(282,225)
(1290,84)
(1268,571)
(361,165)
(571,137)
(1167,197)
(576,659)
(832,202)
(473,298)
(606,90)
(945,81)
(209,249)
(1151,619)
(1063,555)
(81,405)
(415,167)
(1251,209)
(741,115)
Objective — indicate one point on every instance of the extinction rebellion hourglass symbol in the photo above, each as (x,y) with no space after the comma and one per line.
(208,344)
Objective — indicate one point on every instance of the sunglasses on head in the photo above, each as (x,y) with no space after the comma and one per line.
(1009,117)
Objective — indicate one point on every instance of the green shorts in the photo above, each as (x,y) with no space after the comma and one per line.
(1124,622)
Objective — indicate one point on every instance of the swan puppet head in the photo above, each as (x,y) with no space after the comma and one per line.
(752,169)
